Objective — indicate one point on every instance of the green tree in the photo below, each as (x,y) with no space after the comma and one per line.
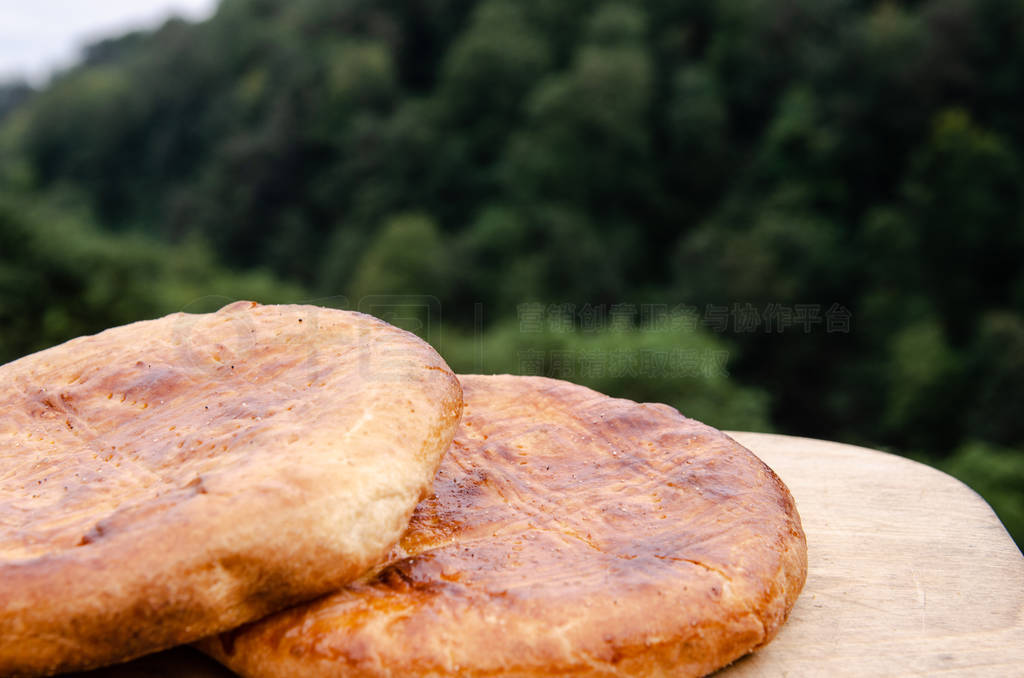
(997,474)
(60,277)
(996,364)
(965,203)
(409,257)
(686,369)
(12,95)
(586,141)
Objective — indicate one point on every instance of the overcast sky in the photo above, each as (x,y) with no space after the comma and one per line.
(37,36)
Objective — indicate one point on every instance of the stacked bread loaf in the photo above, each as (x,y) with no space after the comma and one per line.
(311,492)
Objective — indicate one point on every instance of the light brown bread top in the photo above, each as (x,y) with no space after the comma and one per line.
(177,477)
(569,534)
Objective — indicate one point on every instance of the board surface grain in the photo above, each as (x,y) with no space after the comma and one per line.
(910,574)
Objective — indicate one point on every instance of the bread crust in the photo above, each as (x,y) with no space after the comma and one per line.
(173,478)
(569,534)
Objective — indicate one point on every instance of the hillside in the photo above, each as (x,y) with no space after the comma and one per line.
(804,215)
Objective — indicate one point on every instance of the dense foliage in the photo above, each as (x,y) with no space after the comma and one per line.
(825,192)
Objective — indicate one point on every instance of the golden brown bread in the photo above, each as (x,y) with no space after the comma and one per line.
(569,534)
(177,477)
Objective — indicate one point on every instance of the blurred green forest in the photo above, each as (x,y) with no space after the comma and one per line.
(803,216)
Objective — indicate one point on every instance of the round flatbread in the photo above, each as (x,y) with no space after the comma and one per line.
(177,477)
(569,534)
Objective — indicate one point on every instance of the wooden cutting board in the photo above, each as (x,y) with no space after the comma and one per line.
(910,574)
